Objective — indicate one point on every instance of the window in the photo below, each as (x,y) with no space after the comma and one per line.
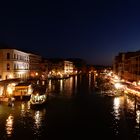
(15,67)
(8,55)
(14,56)
(8,66)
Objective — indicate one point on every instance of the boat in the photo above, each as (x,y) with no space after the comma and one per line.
(23,91)
(38,96)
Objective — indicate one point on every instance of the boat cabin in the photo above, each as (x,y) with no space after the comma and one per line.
(22,89)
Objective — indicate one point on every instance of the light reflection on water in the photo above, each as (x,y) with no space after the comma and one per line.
(124,109)
(39,116)
(89,80)
(9,125)
(116,107)
(75,85)
(25,108)
(68,87)
(138,117)
(118,113)
(36,121)
(62,87)
(130,104)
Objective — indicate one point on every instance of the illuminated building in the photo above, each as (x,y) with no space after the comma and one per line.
(60,68)
(35,65)
(13,64)
(68,67)
(127,66)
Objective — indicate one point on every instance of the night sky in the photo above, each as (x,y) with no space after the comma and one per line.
(95,30)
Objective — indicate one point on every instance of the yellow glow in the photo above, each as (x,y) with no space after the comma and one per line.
(22,109)
(43,82)
(22,106)
(61,85)
(133,91)
(117,85)
(1,91)
(116,108)
(134,83)
(116,77)
(22,72)
(10,76)
(9,90)
(50,85)
(138,116)
(30,90)
(9,125)
(130,103)
(37,119)
(139,83)
(116,102)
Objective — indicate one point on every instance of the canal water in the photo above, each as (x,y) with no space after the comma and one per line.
(75,110)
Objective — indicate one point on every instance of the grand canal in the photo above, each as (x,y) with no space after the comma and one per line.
(74,110)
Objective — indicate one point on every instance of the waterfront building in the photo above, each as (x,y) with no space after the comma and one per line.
(127,66)
(60,68)
(44,69)
(13,64)
(35,65)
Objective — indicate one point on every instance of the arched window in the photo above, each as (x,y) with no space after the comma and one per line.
(14,56)
(8,55)
(15,67)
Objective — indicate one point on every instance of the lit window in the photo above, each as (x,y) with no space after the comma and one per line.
(8,66)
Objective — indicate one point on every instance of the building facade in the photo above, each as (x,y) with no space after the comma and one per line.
(127,66)
(13,64)
(35,65)
(60,68)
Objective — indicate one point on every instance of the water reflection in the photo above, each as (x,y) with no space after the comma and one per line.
(138,117)
(39,118)
(9,125)
(75,85)
(25,108)
(121,113)
(22,109)
(62,87)
(116,106)
(89,80)
(68,87)
(133,114)
(137,126)
(130,104)
(125,110)
(49,85)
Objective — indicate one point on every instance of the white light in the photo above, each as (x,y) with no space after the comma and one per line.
(117,85)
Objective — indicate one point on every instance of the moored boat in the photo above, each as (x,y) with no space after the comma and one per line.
(38,97)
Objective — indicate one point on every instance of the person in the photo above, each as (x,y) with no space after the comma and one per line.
(11,101)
